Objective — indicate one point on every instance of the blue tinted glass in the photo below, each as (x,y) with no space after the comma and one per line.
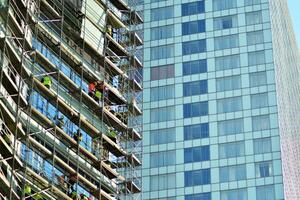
(191,47)
(193,27)
(197,177)
(195,88)
(194,67)
(192,8)
(196,131)
(195,109)
(201,196)
(196,154)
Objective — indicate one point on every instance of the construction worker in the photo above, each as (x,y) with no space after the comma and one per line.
(112,134)
(92,89)
(46,80)
(27,190)
(74,195)
(78,136)
(7,138)
(98,95)
(37,196)
(109,30)
(60,121)
(83,197)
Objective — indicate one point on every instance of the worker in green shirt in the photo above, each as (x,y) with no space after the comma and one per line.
(47,81)
(37,196)
(112,134)
(98,95)
(27,190)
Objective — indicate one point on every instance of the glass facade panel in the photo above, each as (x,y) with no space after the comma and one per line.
(265,192)
(263,169)
(232,104)
(260,123)
(255,37)
(196,177)
(252,2)
(162,93)
(162,32)
(225,22)
(262,145)
(229,83)
(226,42)
(193,27)
(162,158)
(232,173)
(194,67)
(196,154)
(162,136)
(258,79)
(161,52)
(256,58)
(253,18)
(162,181)
(229,127)
(192,8)
(259,100)
(162,72)
(201,196)
(196,131)
(223,4)
(195,88)
(233,149)
(192,47)
(162,13)
(162,114)
(195,109)
(227,62)
(238,194)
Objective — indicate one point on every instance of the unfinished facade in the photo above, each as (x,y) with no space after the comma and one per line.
(70,99)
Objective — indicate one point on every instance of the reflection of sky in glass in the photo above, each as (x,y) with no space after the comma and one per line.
(295,15)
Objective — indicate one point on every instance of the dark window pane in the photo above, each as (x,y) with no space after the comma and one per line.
(191,47)
(192,8)
(194,67)
(162,72)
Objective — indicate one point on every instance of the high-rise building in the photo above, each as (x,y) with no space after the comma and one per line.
(221,101)
(70,104)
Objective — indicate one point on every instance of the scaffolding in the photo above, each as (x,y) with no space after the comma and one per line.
(58,138)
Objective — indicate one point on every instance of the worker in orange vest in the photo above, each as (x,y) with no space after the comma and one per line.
(92,88)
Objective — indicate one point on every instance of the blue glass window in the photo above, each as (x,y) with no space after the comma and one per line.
(196,154)
(162,13)
(263,169)
(191,47)
(201,196)
(162,72)
(161,52)
(195,109)
(266,192)
(225,22)
(196,177)
(162,32)
(162,114)
(195,88)
(193,27)
(162,136)
(194,67)
(192,8)
(232,173)
(162,92)
(196,131)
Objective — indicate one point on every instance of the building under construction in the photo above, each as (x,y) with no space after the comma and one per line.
(70,102)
